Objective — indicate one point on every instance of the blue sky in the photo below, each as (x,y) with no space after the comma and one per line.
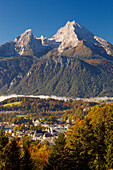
(45,17)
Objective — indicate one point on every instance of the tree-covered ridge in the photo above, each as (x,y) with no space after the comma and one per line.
(51,74)
(15,109)
(30,104)
(101,112)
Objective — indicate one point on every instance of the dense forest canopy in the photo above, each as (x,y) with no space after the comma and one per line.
(34,108)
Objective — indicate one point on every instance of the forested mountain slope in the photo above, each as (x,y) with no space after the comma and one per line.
(73,63)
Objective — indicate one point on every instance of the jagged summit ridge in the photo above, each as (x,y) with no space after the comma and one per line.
(24,41)
(23,37)
(67,37)
(73,33)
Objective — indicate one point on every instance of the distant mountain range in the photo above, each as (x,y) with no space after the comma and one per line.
(73,63)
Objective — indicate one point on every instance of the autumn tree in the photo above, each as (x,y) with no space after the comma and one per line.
(12,155)
(3,142)
(39,154)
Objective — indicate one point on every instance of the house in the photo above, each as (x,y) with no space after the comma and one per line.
(38,134)
(86,109)
(68,120)
(37,122)
(46,136)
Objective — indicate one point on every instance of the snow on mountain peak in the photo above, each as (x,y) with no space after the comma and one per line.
(73,23)
(23,41)
(73,33)
(25,37)
(66,37)
(28,31)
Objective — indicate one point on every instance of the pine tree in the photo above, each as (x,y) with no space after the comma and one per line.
(100,146)
(12,153)
(3,142)
(83,147)
(109,146)
(59,158)
(27,163)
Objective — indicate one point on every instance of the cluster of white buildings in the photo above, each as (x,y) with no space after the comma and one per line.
(50,132)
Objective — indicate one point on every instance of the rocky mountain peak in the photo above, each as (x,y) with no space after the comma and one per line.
(25,37)
(24,41)
(73,33)
(67,37)
(72,24)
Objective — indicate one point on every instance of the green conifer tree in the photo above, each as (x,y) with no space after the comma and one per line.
(109,146)
(100,146)
(27,163)
(3,142)
(12,155)
(83,147)
(59,158)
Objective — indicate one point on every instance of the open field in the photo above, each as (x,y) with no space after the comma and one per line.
(11,104)
(21,116)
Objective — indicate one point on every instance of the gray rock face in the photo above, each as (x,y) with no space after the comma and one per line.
(67,37)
